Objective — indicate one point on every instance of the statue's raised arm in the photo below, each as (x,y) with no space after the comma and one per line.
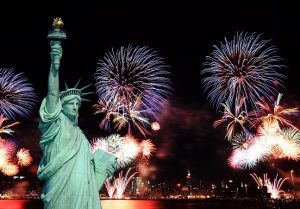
(53,79)
(55,35)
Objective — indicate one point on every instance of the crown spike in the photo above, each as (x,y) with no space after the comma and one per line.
(75,91)
(76,85)
(85,100)
(87,93)
(66,86)
(85,87)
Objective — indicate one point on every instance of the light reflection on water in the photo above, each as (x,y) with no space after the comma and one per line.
(113,204)
(106,204)
(13,204)
(143,204)
(121,204)
(131,204)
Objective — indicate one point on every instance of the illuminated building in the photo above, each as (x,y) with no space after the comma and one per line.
(189,182)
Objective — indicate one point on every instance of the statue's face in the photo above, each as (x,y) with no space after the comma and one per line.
(70,108)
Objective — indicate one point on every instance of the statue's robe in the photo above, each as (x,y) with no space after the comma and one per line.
(72,177)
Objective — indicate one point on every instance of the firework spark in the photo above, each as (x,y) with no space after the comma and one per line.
(17,96)
(24,158)
(242,68)
(155,126)
(133,83)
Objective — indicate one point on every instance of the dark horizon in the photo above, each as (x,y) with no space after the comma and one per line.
(183,34)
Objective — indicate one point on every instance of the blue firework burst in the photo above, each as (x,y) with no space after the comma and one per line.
(17,96)
(245,67)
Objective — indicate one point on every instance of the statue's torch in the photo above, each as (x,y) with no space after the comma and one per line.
(56,35)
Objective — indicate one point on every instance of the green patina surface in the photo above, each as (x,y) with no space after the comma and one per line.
(72,175)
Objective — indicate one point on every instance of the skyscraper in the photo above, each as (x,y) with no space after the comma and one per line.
(189,181)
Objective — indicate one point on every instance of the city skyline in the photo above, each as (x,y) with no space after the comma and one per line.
(181,33)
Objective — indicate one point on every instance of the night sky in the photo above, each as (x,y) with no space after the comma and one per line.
(183,33)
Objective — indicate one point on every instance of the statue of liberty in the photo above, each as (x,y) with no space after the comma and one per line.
(72,175)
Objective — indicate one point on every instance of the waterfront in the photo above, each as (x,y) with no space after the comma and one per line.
(169,204)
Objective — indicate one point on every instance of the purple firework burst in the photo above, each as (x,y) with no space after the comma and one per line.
(17,96)
(242,68)
(132,74)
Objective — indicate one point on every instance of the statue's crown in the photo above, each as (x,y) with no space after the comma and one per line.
(75,91)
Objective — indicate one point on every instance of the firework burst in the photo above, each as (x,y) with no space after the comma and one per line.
(242,140)
(242,68)
(10,169)
(134,83)
(112,144)
(147,148)
(24,158)
(17,96)
(124,148)
(7,148)
(256,150)
(3,158)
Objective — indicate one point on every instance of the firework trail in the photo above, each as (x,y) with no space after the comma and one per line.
(17,96)
(260,181)
(133,83)
(6,129)
(122,182)
(110,187)
(234,119)
(242,68)
(24,158)
(273,187)
(277,114)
